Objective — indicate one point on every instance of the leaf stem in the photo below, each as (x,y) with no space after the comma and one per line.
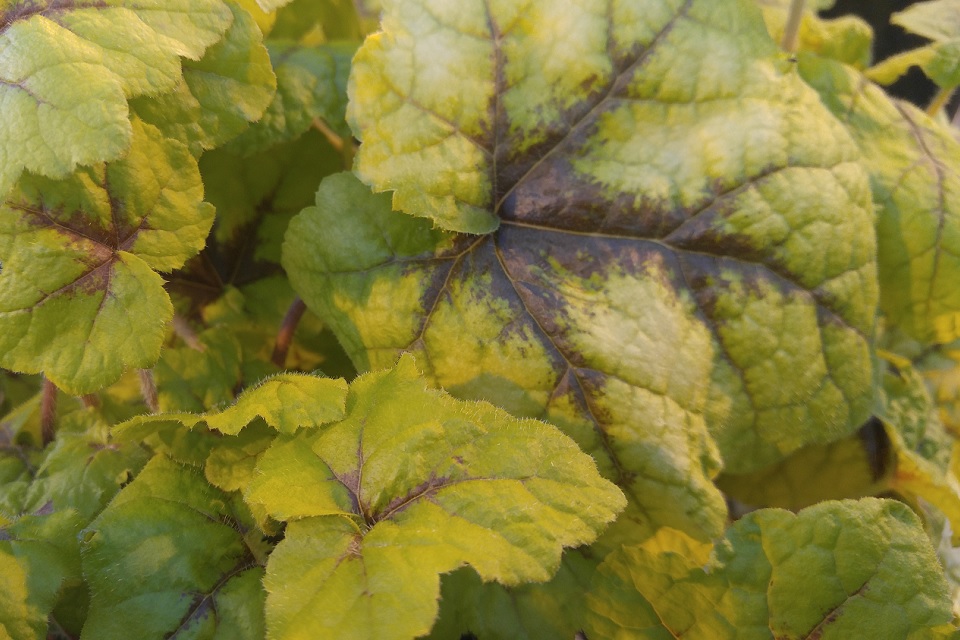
(939,101)
(148,389)
(335,140)
(185,332)
(346,147)
(791,31)
(48,411)
(287,329)
(91,401)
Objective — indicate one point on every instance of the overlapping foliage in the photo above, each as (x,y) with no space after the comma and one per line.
(369,320)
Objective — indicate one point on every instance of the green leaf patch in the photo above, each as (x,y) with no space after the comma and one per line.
(834,571)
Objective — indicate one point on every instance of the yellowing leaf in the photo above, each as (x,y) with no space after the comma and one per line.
(476,487)
(67,71)
(922,447)
(79,296)
(650,356)
(938,20)
(674,221)
(914,163)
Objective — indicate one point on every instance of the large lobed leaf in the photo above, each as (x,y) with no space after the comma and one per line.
(80,299)
(834,571)
(68,69)
(678,223)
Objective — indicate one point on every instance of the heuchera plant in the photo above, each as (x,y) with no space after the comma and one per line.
(483,318)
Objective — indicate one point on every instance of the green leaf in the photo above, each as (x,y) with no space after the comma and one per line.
(368,537)
(914,165)
(168,556)
(68,70)
(38,555)
(852,467)
(83,469)
(632,347)
(232,462)
(311,83)
(195,380)
(286,402)
(79,297)
(220,94)
(834,571)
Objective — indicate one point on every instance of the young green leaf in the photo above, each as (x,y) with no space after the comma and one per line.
(311,83)
(168,557)
(368,538)
(79,296)
(914,163)
(286,402)
(195,380)
(68,69)
(220,94)
(834,571)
